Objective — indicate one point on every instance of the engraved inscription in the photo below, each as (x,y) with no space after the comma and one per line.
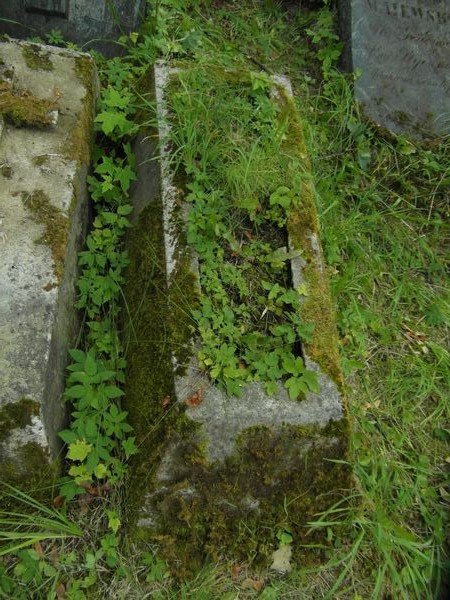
(406,11)
(403,51)
(52,8)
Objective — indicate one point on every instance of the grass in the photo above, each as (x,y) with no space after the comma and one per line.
(230,143)
(384,210)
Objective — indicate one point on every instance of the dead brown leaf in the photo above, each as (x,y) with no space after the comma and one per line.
(195,399)
(235,571)
(254,584)
(54,556)
(60,590)
(58,501)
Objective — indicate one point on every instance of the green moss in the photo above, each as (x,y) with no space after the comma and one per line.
(7,171)
(36,57)
(56,226)
(41,159)
(31,471)
(402,117)
(183,293)
(304,234)
(28,466)
(26,110)
(150,395)
(79,146)
(17,415)
(233,509)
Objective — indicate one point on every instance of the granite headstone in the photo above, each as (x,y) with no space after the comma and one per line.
(402,50)
(88,23)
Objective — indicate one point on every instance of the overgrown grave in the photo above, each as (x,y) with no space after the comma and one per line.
(47,99)
(233,383)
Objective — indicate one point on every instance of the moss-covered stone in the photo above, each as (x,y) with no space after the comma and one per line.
(304,235)
(26,110)
(7,171)
(56,226)
(37,57)
(150,396)
(29,471)
(17,415)
(79,147)
(193,502)
(28,466)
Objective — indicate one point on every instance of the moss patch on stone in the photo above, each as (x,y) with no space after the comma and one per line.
(56,226)
(17,415)
(30,468)
(30,471)
(25,110)
(150,396)
(37,57)
(79,146)
(40,160)
(233,510)
(7,171)
(304,234)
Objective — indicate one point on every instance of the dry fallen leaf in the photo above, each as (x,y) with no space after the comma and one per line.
(165,402)
(235,571)
(254,584)
(39,549)
(54,556)
(195,399)
(58,501)
(60,590)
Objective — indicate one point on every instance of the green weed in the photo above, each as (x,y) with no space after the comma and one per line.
(384,211)
(228,140)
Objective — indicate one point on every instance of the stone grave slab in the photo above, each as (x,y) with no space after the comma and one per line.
(88,23)
(403,52)
(215,470)
(45,150)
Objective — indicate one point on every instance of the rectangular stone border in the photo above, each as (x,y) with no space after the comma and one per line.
(307,271)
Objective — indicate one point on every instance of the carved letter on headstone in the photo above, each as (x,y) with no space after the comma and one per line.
(403,51)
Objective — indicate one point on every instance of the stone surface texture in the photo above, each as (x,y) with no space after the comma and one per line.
(403,51)
(218,461)
(43,222)
(88,23)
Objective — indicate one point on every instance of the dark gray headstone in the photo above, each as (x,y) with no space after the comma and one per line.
(88,23)
(403,51)
(54,8)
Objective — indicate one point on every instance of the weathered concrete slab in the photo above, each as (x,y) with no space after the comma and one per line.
(403,51)
(44,217)
(215,471)
(91,24)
